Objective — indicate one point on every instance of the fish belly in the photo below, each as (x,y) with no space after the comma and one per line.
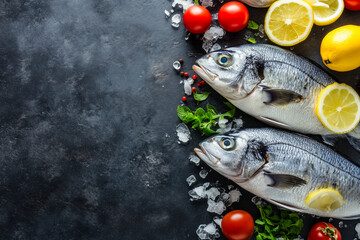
(298,117)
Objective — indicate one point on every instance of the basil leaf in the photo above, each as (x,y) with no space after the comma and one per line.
(211,109)
(201,96)
(200,113)
(185,114)
(253,25)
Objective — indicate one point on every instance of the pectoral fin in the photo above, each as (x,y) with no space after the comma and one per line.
(284,180)
(280,96)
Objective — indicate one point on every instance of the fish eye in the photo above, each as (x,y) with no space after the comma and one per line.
(224,59)
(227,143)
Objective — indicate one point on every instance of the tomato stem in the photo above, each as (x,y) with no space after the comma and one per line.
(196,2)
(330,232)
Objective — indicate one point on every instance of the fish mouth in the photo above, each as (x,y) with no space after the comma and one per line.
(206,156)
(204,73)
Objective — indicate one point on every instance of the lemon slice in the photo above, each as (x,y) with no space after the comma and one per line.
(288,22)
(338,108)
(325,199)
(326,11)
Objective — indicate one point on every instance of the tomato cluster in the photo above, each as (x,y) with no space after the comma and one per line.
(233,17)
(353,5)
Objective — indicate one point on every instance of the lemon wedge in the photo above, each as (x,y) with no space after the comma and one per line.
(338,108)
(288,22)
(325,199)
(326,11)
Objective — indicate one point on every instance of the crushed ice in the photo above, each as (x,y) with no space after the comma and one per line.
(187,85)
(183,133)
(203,173)
(175,20)
(357,229)
(208,231)
(191,180)
(211,36)
(194,159)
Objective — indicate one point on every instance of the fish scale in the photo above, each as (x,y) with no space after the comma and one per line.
(285,168)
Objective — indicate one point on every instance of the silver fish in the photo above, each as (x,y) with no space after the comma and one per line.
(272,84)
(258,3)
(283,168)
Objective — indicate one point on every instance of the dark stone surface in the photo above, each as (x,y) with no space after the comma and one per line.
(88,96)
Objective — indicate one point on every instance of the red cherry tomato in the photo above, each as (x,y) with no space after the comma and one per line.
(353,5)
(197,19)
(238,225)
(233,16)
(324,231)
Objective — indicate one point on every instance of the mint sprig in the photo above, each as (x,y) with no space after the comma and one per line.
(203,120)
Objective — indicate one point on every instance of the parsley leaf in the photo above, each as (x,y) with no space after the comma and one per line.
(253,25)
(272,226)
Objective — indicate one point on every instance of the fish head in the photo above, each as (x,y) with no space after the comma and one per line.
(235,157)
(227,71)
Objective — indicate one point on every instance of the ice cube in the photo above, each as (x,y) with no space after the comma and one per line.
(331,219)
(167,13)
(212,193)
(184,4)
(193,158)
(222,123)
(341,224)
(207,3)
(234,196)
(207,45)
(208,231)
(187,85)
(197,193)
(357,229)
(214,33)
(183,133)
(257,200)
(203,173)
(177,65)
(175,20)
(261,31)
(215,47)
(217,220)
(214,16)
(191,180)
(216,207)
(238,123)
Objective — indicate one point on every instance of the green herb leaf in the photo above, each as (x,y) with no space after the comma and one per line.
(252,25)
(211,109)
(252,40)
(201,96)
(185,114)
(272,226)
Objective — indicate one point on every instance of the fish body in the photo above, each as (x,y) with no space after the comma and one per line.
(283,168)
(258,3)
(272,84)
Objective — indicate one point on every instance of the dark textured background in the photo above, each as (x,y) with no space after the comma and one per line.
(88,97)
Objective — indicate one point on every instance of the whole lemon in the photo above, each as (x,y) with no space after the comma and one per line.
(340,48)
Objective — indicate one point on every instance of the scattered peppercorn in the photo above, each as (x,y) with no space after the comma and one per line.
(181,60)
(182,74)
(194,77)
(202,83)
(186,74)
(184,99)
(193,89)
